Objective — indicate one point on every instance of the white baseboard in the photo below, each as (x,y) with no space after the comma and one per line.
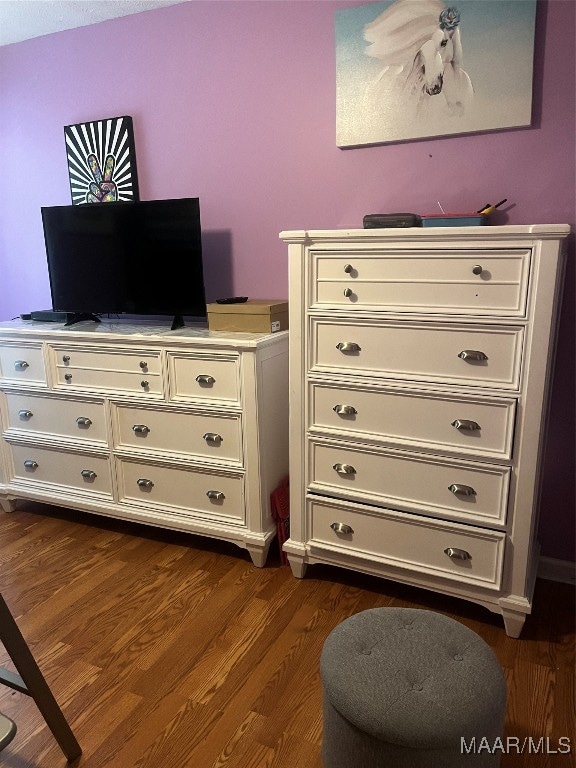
(557,570)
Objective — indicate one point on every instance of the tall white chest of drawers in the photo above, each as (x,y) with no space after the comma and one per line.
(182,429)
(420,364)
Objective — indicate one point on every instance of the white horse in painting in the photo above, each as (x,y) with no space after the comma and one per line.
(418,43)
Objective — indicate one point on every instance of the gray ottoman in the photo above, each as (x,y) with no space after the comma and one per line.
(407,688)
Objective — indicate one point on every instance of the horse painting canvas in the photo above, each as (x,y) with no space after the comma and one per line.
(409,69)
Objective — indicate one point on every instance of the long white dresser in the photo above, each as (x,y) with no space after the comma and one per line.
(184,429)
(420,365)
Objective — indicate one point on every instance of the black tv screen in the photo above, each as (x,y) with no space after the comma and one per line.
(136,258)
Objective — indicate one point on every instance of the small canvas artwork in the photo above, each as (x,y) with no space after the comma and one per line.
(411,69)
(102,161)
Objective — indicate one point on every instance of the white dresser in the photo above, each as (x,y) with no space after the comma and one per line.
(184,429)
(420,366)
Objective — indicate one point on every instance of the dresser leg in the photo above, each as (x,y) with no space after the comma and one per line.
(513,622)
(9,505)
(258,554)
(298,566)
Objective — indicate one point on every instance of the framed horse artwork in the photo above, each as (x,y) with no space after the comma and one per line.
(413,69)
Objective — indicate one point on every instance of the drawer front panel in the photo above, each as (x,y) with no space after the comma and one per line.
(83,420)
(415,419)
(410,542)
(22,364)
(90,380)
(185,491)
(62,470)
(444,354)
(213,437)
(473,282)
(146,362)
(463,491)
(205,378)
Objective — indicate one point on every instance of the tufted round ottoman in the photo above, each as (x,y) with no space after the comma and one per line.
(407,688)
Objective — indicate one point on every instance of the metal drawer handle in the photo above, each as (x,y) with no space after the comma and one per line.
(25,414)
(348,346)
(30,464)
(457,554)
(344,410)
(215,495)
(204,378)
(20,365)
(84,421)
(88,474)
(348,268)
(213,438)
(472,354)
(141,429)
(65,358)
(143,364)
(68,376)
(341,528)
(143,483)
(348,292)
(344,469)
(478,269)
(144,384)
(472,426)
(461,490)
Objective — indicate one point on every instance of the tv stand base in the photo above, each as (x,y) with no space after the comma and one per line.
(79,317)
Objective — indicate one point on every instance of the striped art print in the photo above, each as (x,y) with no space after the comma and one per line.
(102,161)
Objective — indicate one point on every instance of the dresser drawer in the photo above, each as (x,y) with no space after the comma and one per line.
(51,469)
(436,353)
(409,542)
(413,482)
(22,364)
(469,282)
(205,378)
(214,437)
(182,491)
(463,425)
(82,420)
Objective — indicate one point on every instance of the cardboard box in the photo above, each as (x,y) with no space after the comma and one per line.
(253,316)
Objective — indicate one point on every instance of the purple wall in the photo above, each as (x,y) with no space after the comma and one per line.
(235,102)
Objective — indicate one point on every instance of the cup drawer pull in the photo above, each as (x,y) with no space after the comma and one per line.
(348,346)
(88,474)
(31,464)
(204,378)
(344,469)
(140,429)
(461,490)
(25,414)
(465,424)
(213,438)
(344,410)
(84,421)
(143,483)
(342,528)
(457,554)
(472,355)
(215,495)
(21,365)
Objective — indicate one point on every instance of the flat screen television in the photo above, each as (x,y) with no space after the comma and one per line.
(126,258)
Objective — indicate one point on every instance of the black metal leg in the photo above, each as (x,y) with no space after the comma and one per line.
(30,681)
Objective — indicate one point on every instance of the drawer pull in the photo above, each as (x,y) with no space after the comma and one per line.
(143,364)
(143,483)
(472,354)
(348,346)
(84,421)
(457,554)
(344,469)
(344,410)
(30,464)
(348,268)
(461,490)
(141,429)
(65,358)
(88,474)
(213,438)
(472,426)
(478,269)
(204,378)
(25,414)
(144,384)
(68,376)
(348,292)
(215,495)
(20,365)
(341,528)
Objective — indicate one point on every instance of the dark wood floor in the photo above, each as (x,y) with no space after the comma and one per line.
(169,651)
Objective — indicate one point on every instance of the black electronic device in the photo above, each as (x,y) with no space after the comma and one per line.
(126,258)
(383,220)
(233,300)
(50,316)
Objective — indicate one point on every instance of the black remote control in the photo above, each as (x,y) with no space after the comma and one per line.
(233,300)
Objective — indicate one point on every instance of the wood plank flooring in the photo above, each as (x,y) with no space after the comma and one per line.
(172,651)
